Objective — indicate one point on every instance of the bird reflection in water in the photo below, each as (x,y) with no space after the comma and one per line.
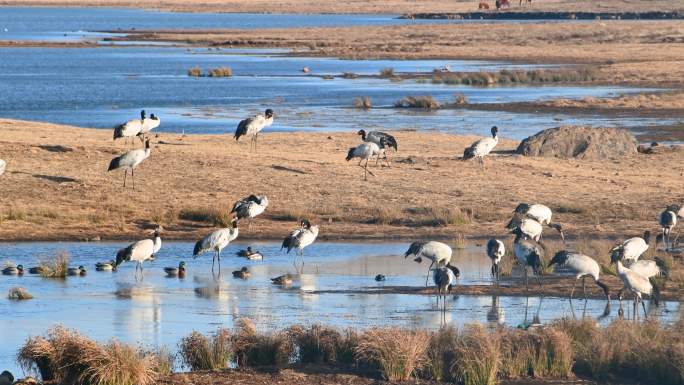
(496,314)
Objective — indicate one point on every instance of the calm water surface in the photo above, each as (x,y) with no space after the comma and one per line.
(100,87)
(160,311)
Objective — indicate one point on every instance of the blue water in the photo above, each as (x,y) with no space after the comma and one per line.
(101,87)
(160,311)
(70,24)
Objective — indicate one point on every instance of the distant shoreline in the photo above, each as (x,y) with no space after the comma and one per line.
(546,15)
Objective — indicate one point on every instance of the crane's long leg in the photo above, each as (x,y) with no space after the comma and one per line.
(256,140)
(527,287)
(428,273)
(125,174)
(584,286)
(133,177)
(573,289)
(219,262)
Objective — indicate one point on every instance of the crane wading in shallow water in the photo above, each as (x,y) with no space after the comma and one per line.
(130,160)
(495,251)
(529,253)
(140,252)
(217,241)
(444,278)
(582,266)
(437,252)
(299,239)
(638,285)
(252,126)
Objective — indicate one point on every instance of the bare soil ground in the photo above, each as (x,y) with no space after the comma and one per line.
(56,187)
(357,6)
(646,53)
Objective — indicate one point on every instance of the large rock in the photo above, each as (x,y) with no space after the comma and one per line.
(579,142)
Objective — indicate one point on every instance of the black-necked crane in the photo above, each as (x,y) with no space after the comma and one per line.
(582,266)
(148,124)
(529,253)
(444,278)
(129,129)
(176,271)
(495,251)
(482,147)
(631,249)
(299,239)
(647,268)
(250,207)
(531,227)
(250,254)
(364,151)
(140,251)
(437,252)
(638,285)
(536,211)
(217,241)
(253,125)
(3,166)
(130,160)
(667,220)
(382,139)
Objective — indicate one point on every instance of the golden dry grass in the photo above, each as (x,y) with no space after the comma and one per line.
(200,352)
(356,6)
(617,197)
(395,353)
(19,294)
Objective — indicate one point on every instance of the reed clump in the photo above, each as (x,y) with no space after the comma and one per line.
(195,72)
(55,266)
(66,356)
(387,72)
(316,343)
(475,357)
(254,349)
(19,294)
(363,103)
(214,216)
(221,72)
(507,77)
(394,353)
(200,352)
(425,102)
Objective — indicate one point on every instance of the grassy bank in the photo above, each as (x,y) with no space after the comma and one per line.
(474,355)
(189,184)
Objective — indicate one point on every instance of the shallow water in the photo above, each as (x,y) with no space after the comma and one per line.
(73,24)
(101,87)
(160,311)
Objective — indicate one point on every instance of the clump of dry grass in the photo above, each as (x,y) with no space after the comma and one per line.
(441,354)
(255,349)
(545,353)
(425,102)
(395,353)
(476,357)
(505,76)
(316,343)
(56,266)
(350,75)
(220,72)
(217,217)
(460,99)
(195,72)
(386,215)
(363,103)
(65,356)
(19,294)
(437,216)
(387,72)
(200,352)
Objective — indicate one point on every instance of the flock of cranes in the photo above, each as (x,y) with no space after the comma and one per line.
(527,224)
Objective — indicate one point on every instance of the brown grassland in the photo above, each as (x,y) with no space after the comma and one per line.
(57,187)
(355,6)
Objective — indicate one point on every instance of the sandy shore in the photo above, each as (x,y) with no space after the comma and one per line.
(56,187)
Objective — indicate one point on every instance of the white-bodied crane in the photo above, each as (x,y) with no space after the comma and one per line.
(130,160)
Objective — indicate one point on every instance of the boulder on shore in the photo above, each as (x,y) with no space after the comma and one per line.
(579,142)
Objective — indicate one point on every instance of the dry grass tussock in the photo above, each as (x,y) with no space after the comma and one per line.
(219,217)
(253,349)
(363,102)
(323,345)
(219,72)
(66,356)
(425,102)
(55,266)
(509,77)
(396,354)
(19,294)
(200,352)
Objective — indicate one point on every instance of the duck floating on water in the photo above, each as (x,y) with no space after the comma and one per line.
(36,270)
(380,277)
(250,254)
(242,273)
(13,270)
(106,266)
(284,280)
(176,271)
(74,271)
